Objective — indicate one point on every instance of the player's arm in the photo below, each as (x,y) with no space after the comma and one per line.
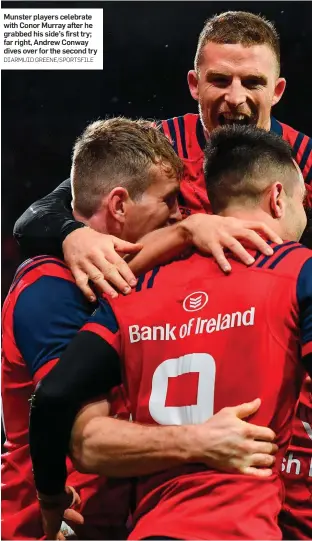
(112,447)
(304,298)
(48,225)
(45,224)
(210,234)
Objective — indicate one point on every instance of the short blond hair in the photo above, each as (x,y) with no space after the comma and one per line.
(118,152)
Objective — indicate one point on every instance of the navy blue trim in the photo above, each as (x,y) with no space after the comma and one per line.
(284,254)
(140,282)
(59,263)
(182,135)
(151,279)
(200,134)
(258,254)
(28,262)
(173,134)
(297,144)
(276,126)
(275,250)
(305,155)
(308,178)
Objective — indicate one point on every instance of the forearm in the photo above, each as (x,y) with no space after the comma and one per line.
(161,246)
(117,448)
(45,224)
(88,368)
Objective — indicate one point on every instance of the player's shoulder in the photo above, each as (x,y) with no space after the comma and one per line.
(287,260)
(35,268)
(185,132)
(293,136)
(30,273)
(300,143)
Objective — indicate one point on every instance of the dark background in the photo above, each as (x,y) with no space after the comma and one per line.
(148,49)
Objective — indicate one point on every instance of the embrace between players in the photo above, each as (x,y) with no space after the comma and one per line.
(193,346)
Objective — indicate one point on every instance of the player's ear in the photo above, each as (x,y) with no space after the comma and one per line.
(280,86)
(117,201)
(276,200)
(192,80)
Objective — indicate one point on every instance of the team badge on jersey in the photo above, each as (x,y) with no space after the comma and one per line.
(195,301)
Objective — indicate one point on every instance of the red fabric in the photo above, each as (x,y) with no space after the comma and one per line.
(192,502)
(105,503)
(193,196)
(296,519)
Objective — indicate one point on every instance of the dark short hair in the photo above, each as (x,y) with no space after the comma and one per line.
(118,152)
(239,27)
(242,161)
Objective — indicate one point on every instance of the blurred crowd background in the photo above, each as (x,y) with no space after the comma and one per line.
(148,49)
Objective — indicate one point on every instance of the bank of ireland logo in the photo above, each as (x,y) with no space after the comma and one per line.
(195,301)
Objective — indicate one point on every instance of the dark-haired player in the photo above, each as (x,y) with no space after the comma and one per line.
(200,341)
(236,79)
(45,309)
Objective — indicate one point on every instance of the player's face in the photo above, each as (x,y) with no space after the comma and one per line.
(157,207)
(236,84)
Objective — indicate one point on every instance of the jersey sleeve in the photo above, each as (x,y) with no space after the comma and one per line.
(45,224)
(47,315)
(104,323)
(304,297)
(88,368)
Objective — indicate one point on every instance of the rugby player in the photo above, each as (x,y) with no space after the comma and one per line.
(45,309)
(180,368)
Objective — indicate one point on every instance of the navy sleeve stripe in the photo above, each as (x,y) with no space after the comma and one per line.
(27,263)
(200,134)
(297,144)
(284,254)
(275,250)
(46,317)
(139,285)
(35,265)
(151,279)
(305,155)
(304,298)
(173,134)
(182,135)
(276,126)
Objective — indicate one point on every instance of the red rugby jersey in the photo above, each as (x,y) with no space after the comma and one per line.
(41,314)
(296,517)
(198,341)
(187,137)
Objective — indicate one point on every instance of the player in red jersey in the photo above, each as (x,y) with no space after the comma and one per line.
(45,309)
(200,341)
(42,312)
(240,52)
(296,517)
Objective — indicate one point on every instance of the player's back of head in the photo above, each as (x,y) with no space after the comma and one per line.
(252,171)
(118,152)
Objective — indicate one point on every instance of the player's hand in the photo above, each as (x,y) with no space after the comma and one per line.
(93,256)
(212,234)
(53,512)
(227,443)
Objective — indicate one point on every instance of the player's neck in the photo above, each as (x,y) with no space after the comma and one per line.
(253,215)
